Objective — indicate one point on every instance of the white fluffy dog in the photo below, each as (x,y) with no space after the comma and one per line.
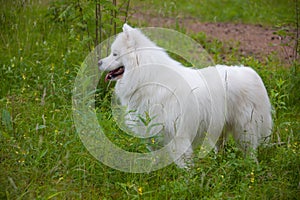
(186,106)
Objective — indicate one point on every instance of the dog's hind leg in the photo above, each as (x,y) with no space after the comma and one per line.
(246,132)
(181,151)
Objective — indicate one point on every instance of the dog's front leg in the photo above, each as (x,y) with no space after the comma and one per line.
(181,152)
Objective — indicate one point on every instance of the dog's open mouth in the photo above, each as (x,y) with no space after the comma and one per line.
(115,74)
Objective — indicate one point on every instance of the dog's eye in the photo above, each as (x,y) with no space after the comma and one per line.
(115,54)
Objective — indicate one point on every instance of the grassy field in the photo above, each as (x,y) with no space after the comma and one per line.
(41,155)
(249,11)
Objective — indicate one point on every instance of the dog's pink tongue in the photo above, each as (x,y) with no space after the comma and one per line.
(107,77)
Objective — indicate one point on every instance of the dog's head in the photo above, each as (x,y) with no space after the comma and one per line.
(123,56)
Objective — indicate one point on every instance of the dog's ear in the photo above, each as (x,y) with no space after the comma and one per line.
(127,28)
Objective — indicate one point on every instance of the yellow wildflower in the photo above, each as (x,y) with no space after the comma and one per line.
(140,191)
(22,160)
(252,177)
(152,140)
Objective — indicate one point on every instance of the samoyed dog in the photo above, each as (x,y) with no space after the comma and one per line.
(186,107)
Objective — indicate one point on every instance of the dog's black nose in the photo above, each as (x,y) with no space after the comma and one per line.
(99,63)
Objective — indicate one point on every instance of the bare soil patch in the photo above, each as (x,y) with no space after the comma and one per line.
(251,40)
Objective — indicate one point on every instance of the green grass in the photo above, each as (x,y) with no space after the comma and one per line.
(269,12)
(42,156)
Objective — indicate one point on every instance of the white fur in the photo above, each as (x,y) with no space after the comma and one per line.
(238,105)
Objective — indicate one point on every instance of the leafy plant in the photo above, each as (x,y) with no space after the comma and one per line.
(92,21)
(279,96)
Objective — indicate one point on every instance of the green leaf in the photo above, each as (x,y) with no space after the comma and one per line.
(6,119)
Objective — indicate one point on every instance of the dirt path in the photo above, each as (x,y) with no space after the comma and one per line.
(251,40)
